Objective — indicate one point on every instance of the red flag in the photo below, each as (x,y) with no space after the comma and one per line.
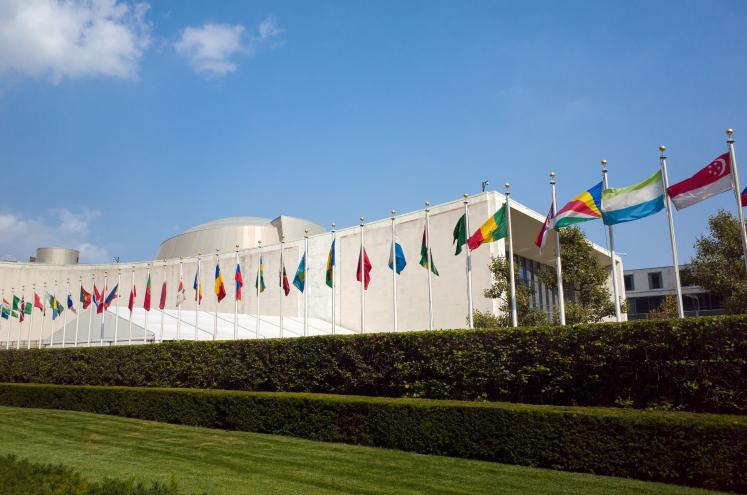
(98,299)
(146,302)
(239,281)
(162,302)
(133,295)
(22,308)
(713,179)
(366,269)
(39,304)
(284,283)
(542,236)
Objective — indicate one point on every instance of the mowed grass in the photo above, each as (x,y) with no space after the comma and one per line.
(224,462)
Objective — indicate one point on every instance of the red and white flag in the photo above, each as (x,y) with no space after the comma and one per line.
(133,295)
(180,296)
(714,179)
(542,236)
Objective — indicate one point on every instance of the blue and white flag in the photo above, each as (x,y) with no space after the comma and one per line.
(625,204)
(399,255)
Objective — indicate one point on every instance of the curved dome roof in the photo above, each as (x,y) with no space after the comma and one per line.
(229,222)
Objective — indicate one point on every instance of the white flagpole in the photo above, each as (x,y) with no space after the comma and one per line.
(260,276)
(306,283)
(23,301)
(90,309)
(282,289)
(179,305)
(103,309)
(430,263)
(31,319)
(361,264)
(64,318)
(236,301)
(80,311)
(334,285)
(470,317)
(512,282)
(215,319)
(672,238)
(613,261)
(197,296)
(163,281)
(7,340)
(145,329)
(116,307)
(393,255)
(44,316)
(10,318)
(737,191)
(132,285)
(558,266)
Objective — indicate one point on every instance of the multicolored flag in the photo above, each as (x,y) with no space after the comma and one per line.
(584,207)
(85,298)
(197,287)
(180,295)
(542,236)
(744,196)
(330,273)
(111,297)
(146,301)
(399,258)
(366,269)
(40,305)
(300,279)
(5,309)
(16,306)
(625,204)
(220,288)
(460,234)
(239,281)
(70,304)
(425,250)
(493,229)
(162,300)
(284,284)
(133,295)
(56,307)
(713,179)
(98,299)
(21,307)
(259,282)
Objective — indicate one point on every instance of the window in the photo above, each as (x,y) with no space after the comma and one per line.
(629,285)
(654,280)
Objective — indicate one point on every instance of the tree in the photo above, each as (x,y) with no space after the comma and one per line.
(587,297)
(718,265)
(501,290)
(667,309)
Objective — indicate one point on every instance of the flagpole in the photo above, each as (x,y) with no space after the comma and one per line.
(215,320)
(132,286)
(512,282)
(80,309)
(236,301)
(145,329)
(429,257)
(51,335)
(23,302)
(672,238)
(470,317)
(282,288)
(179,303)
(197,296)
(259,285)
(116,307)
(31,320)
(306,283)
(64,318)
(334,286)
(160,335)
(558,267)
(393,255)
(90,309)
(737,191)
(363,283)
(613,261)
(10,317)
(103,309)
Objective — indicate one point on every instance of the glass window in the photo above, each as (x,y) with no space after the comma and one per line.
(654,280)
(629,285)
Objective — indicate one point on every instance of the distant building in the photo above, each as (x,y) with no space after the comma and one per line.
(645,289)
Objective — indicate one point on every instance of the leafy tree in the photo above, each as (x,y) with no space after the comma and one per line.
(501,290)
(667,309)
(718,265)
(584,279)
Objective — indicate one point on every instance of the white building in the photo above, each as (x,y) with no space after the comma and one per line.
(210,319)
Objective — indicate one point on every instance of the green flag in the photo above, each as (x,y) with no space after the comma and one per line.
(16,303)
(424,248)
(460,234)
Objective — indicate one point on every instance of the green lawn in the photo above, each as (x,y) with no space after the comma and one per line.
(222,462)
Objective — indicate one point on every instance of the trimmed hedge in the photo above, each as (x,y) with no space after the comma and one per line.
(694,364)
(693,449)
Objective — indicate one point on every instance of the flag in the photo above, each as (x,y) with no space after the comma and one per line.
(284,284)
(330,274)
(460,234)
(220,289)
(197,286)
(300,279)
(180,295)
(366,269)
(27,308)
(112,296)
(85,298)
(146,301)
(70,304)
(39,304)
(162,301)
(424,251)
(259,282)
(713,179)
(16,306)
(493,229)
(584,207)
(20,310)
(542,236)
(625,204)
(399,258)
(239,282)
(5,310)
(97,299)
(133,295)
(56,307)
(744,196)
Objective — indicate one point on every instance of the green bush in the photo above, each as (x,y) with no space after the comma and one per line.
(24,477)
(694,364)
(695,449)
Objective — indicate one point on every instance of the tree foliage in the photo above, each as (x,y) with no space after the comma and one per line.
(718,265)
(500,289)
(666,310)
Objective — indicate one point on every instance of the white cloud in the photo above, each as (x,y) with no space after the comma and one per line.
(212,49)
(19,237)
(59,39)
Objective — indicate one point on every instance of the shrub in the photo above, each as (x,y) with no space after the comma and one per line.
(686,448)
(694,364)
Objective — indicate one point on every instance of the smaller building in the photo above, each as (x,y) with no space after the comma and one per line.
(646,288)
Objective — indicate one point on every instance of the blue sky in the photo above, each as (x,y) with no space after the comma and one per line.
(164,115)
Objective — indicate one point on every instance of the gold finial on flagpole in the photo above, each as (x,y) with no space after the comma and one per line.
(662,149)
(552,177)
(604,165)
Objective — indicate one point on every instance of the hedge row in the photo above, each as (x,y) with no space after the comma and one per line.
(22,476)
(685,448)
(694,364)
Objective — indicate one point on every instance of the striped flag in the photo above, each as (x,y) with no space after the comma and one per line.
(425,250)
(133,295)
(625,204)
(220,289)
(239,281)
(493,229)
(330,265)
(146,301)
(711,180)
(542,236)
(366,269)
(259,283)
(584,207)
